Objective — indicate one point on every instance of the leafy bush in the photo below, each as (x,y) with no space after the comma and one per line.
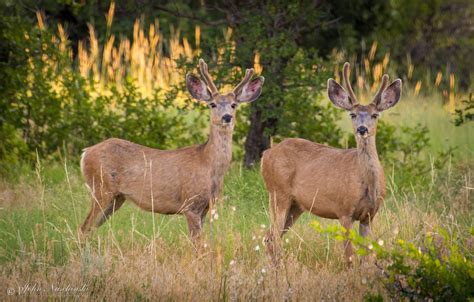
(440,268)
(49,106)
(465,114)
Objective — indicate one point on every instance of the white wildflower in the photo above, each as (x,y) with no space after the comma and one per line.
(380,242)
(257,248)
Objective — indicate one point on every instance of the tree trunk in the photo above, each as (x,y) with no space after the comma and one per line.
(256,141)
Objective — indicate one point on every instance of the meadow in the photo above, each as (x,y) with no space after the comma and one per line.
(143,256)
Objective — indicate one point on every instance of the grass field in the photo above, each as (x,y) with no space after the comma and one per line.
(137,255)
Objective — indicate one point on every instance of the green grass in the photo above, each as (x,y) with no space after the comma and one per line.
(42,210)
(140,255)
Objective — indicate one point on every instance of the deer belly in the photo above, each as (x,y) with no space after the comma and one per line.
(325,203)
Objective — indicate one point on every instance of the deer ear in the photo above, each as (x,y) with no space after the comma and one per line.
(390,96)
(338,95)
(197,88)
(251,91)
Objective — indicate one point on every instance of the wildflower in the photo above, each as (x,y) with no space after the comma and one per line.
(234,208)
(262,226)
(287,240)
(232,262)
(257,248)
(370,246)
(264,270)
(380,242)
(254,237)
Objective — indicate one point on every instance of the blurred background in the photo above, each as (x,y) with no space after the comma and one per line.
(74,73)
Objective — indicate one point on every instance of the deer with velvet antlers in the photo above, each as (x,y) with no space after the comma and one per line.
(343,184)
(183,181)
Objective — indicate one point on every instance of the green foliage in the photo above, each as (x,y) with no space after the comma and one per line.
(465,114)
(440,268)
(433,35)
(50,107)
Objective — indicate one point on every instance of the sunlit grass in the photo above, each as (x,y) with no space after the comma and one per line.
(133,251)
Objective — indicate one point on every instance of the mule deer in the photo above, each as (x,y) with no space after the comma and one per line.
(344,184)
(182,181)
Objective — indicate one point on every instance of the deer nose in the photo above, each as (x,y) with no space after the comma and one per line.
(227,118)
(362,130)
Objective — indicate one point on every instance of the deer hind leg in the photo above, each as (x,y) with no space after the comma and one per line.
(364,228)
(103,204)
(347,222)
(280,205)
(194,225)
(293,215)
(112,207)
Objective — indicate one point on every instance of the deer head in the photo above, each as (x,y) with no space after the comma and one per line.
(364,117)
(223,106)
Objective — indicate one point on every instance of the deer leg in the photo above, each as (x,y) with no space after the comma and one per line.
(364,228)
(98,204)
(293,215)
(194,225)
(347,222)
(110,210)
(280,205)
(102,207)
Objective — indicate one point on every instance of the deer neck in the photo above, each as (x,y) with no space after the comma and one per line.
(369,166)
(218,151)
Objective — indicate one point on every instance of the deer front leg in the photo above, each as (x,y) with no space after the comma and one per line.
(347,222)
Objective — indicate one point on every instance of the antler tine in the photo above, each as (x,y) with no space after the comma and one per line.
(348,83)
(207,78)
(247,77)
(383,85)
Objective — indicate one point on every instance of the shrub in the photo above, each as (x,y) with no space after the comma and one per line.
(440,268)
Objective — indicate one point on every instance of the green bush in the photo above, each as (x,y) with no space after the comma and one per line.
(49,107)
(439,268)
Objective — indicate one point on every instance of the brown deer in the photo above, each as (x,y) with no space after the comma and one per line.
(344,184)
(183,181)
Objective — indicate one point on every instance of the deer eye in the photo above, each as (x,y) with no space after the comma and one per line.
(213,105)
(353,115)
(375,115)
(234,105)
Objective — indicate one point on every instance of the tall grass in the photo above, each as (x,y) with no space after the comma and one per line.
(137,256)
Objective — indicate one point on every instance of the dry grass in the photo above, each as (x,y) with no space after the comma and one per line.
(130,257)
